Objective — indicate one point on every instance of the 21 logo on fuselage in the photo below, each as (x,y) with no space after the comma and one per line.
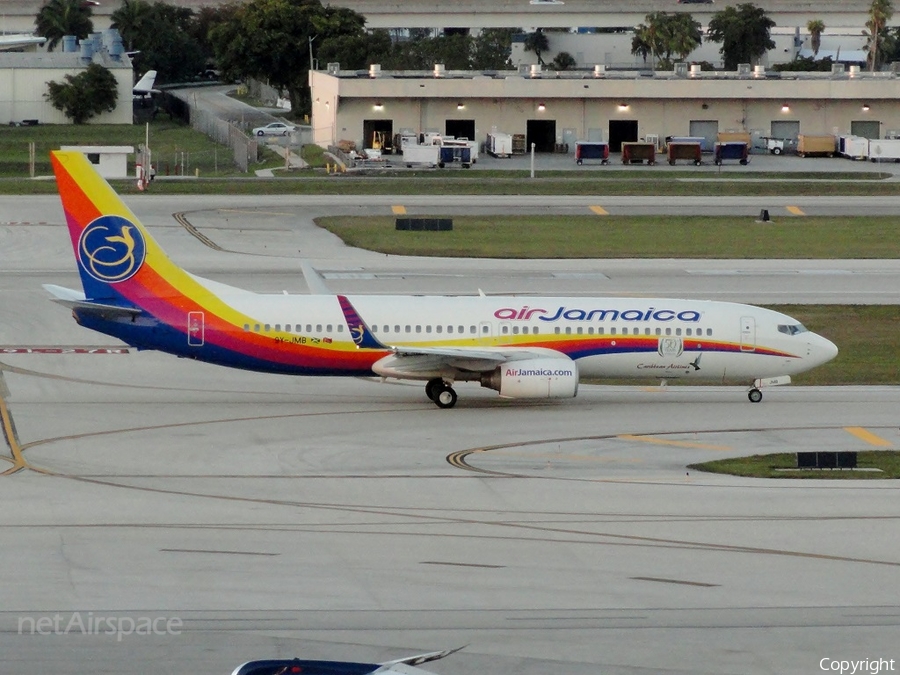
(111,249)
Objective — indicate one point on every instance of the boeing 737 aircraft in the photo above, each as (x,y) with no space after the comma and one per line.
(523,347)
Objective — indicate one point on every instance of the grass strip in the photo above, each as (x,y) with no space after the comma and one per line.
(881,464)
(566,236)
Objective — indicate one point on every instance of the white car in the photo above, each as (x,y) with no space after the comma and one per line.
(274,129)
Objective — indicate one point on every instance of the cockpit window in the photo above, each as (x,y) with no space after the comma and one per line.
(792,328)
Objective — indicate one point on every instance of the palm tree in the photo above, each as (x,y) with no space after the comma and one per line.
(538,43)
(880,12)
(815,27)
(64,17)
(129,18)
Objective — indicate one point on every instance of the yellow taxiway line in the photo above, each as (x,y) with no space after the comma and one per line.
(868,437)
(796,210)
(398,210)
(677,444)
(599,210)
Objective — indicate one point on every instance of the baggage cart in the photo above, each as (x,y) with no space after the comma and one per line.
(732,150)
(687,151)
(853,147)
(884,150)
(423,155)
(455,154)
(519,144)
(815,146)
(591,150)
(706,145)
(637,153)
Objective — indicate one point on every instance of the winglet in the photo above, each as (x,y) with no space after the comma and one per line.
(314,280)
(359,331)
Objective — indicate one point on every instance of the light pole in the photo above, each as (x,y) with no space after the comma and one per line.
(312,65)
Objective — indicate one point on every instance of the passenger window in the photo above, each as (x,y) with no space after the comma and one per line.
(267,328)
(277,327)
(484,329)
(384,329)
(328,328)
(418,329)
(340,328)
(668,331)
(579,330)
(396,329)
(647,331)
(318,328)
(309,328)
(246,327)
(535,330)
(677,331)
(462,329)
(298,328)
(428,328)
(659,331)
(287,328)
(568,330)
(449,329)
(409,329)
(504,330)
(612,331)
(687,332)
(374,329)
(439,328)
(525,330)
(709,331)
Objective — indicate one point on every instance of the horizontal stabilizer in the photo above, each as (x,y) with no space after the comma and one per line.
(77,300)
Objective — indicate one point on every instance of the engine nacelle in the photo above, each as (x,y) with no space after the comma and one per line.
(534,378)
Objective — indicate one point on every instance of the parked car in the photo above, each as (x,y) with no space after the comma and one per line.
(274,129)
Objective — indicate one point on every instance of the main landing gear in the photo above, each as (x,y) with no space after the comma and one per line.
(441,393)
(755,395)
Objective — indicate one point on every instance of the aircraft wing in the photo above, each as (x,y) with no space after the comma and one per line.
(77,300)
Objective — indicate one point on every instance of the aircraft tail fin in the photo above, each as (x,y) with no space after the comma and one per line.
(145,84)
(119,262)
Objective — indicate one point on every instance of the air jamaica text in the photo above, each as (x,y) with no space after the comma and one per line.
(527,313)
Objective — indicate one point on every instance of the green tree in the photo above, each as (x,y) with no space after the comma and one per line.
(269,40)
(130,20)
(880,12)
(355,52)
(63,17)
(664,35)
(815,27)
(743,32)
(491,49)
(82,96)
(563,61)
(538,43)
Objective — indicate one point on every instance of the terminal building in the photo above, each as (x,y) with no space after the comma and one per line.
(555,109)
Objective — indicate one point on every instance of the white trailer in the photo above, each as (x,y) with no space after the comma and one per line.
(854,147)
(499,144)
(423,155)
(884,150)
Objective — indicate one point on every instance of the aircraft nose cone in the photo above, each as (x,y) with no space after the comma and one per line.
(825,349)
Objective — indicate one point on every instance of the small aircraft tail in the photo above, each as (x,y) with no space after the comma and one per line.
(144,86)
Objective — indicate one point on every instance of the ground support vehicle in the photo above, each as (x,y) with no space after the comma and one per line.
(687,151)
(591,150)
(637,153)
(732,150)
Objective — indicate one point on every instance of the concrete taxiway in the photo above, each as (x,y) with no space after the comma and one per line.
(352,519)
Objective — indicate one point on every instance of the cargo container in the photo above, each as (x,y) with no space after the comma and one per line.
(463,143)
(519,144)
(450,154)
(687,151)
(853,147)
(732,150)
(638,153)
(884,150)
(499,145)
(815,146)
(705,143)
(586,150)
(423,155)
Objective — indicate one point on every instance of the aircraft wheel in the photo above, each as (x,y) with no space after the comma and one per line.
(432,387)
(755,395)
(445,397)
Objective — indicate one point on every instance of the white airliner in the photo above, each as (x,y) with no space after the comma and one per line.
(523,347)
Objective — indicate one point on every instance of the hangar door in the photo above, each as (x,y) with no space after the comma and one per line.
(542,133)
(381,130)
(708,130)
(787,129)
(622,131)
(866,128)
(460,129)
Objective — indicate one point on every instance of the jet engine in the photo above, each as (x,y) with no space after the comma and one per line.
(534,378)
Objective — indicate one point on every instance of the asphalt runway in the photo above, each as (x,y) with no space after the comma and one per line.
(259,516)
